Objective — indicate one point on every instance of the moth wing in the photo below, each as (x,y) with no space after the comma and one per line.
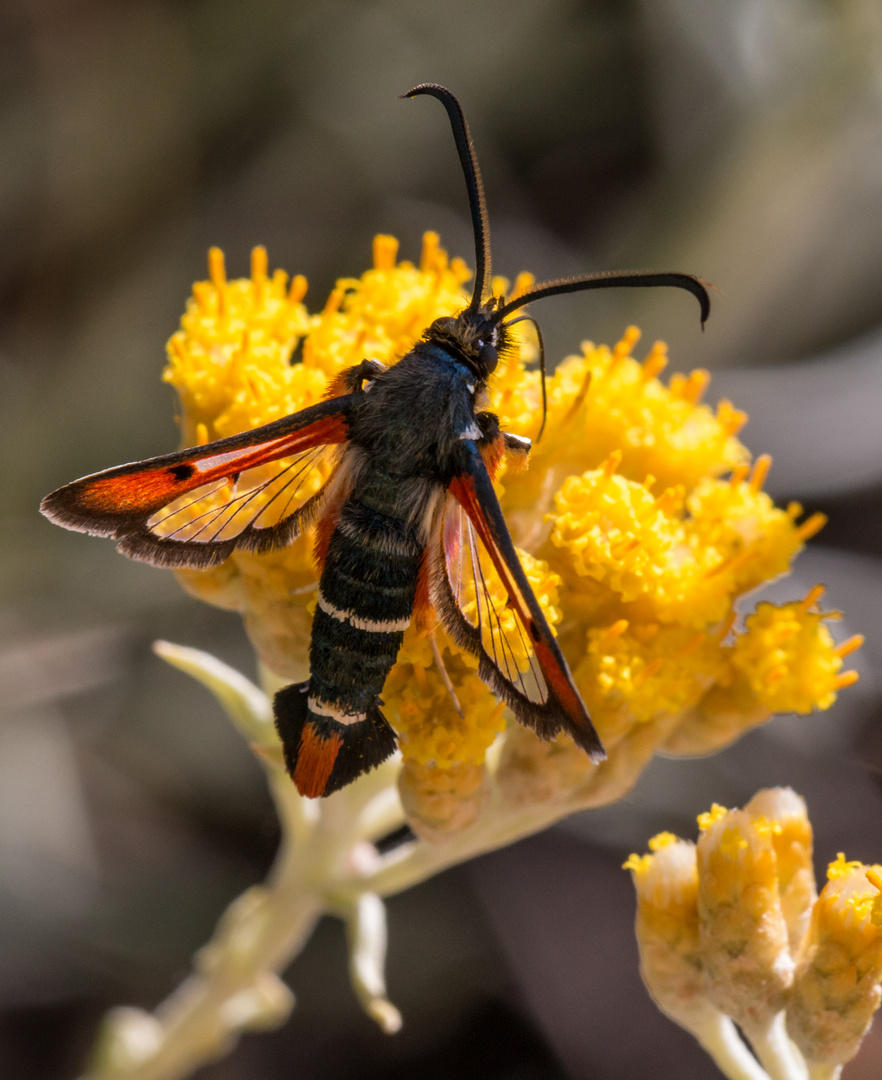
(485,602)
(255,491)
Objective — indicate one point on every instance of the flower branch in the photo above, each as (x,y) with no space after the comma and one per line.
(641,523)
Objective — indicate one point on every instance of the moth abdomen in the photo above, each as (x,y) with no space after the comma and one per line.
(331,726)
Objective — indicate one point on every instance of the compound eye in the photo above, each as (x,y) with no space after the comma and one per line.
(488,358)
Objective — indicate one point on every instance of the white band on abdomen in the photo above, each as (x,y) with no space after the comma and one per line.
(334,712)
(376,627)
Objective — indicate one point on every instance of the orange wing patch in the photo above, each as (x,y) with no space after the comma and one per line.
(253,491)
(145,490)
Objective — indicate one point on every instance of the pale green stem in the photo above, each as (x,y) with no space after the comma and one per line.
(234,986)
(779,1057)
(244,703)
(497,826)
(383,815)
(366,933)
(327,863)
(230,991)
(719,1037)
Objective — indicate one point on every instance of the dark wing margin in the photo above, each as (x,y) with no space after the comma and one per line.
(518,655)
(254,491)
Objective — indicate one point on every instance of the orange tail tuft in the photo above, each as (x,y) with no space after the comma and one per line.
(315,761)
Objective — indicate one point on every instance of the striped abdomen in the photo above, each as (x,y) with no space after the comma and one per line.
(331,726)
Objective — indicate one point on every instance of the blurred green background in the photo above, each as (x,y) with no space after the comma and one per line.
(737,139)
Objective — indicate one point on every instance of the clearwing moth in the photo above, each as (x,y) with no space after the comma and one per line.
(408,518)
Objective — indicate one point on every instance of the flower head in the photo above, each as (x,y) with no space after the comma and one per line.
(668,927)
(836,990)
(639,524)
(791,836)
(746,950)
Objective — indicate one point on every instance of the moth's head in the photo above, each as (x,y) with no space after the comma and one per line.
(473,336)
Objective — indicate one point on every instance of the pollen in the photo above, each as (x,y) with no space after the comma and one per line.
(711,817)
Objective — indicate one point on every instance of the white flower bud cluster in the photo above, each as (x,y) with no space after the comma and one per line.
(731,931)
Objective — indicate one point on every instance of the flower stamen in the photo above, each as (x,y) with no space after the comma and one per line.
(298,289)
(259,268)
(655,363)
(385,252)
(760,472)
(739,475)
(812,597)
(811,526)
(850,645)
(625,346)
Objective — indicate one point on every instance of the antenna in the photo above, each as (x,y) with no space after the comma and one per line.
(474,184)
(627,279)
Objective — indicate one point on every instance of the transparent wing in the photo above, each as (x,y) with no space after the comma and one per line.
(259,509)
(486,603)
(481,600)
(194,507)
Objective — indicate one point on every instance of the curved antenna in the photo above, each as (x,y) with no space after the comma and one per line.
(474,184)
(630,279)
(529,318)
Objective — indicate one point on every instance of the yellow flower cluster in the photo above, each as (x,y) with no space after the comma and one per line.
(638,519)
(734,926)
(788,659)
(676,559)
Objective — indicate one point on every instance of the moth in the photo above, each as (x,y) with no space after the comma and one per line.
(408,521)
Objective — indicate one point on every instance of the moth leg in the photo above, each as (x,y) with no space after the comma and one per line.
(356,379)
(496,444)
(517,445)
(370,370)
(491,433)
(445,678)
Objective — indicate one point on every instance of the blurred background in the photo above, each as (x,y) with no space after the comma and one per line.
(737,139)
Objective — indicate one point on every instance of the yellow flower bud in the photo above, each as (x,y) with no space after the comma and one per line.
(791,837)
(533,770)
(719,930)
(743,931)
(721,716)
(440,802)
(836,990)
(789,658)
(644,673)
(668,931)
